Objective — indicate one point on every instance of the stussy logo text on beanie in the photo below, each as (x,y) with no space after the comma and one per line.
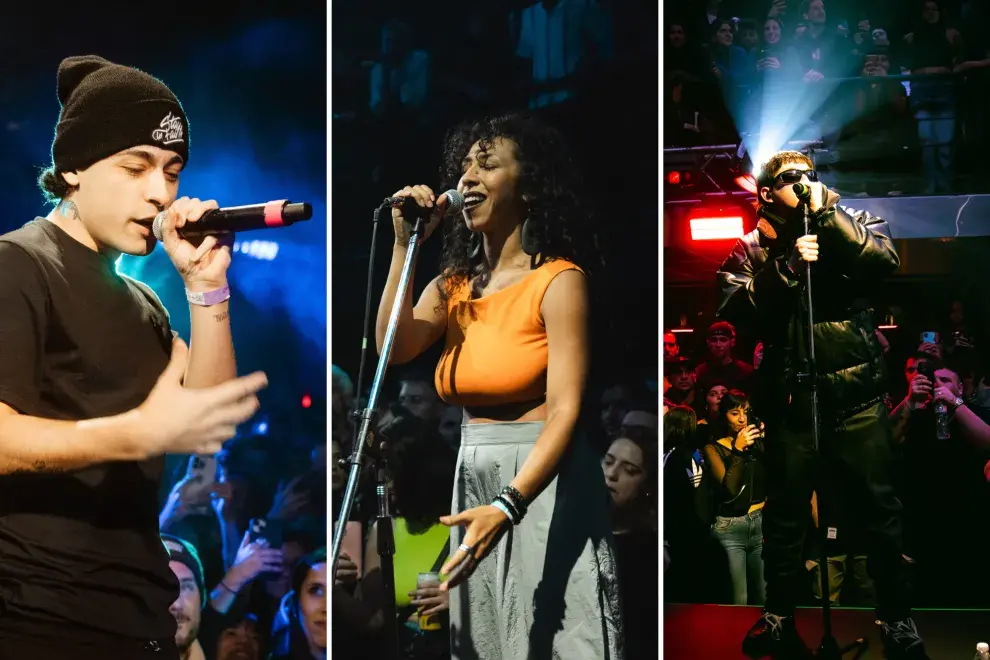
(170,130)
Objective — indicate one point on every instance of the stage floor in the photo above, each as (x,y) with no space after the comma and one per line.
(703,632)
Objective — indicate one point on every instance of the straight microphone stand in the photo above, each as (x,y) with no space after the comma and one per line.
(828,648)
(386,539)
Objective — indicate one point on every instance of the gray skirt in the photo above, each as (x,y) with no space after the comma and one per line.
(549,589)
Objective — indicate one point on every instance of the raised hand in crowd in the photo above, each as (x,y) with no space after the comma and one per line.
(220,496)
(253,558)
(190,495)
(290,500)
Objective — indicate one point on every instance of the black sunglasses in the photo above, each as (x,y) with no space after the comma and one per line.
(794,176)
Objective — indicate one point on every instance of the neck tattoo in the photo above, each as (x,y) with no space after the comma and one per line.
(68,209)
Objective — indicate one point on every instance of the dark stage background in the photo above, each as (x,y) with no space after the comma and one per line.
(610,120)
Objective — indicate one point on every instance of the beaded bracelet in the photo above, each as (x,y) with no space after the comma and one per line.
(516,498)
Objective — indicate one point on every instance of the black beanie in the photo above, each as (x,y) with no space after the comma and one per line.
(183,552)
(109,107)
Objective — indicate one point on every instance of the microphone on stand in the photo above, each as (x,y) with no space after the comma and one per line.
(278,213)
(802,190)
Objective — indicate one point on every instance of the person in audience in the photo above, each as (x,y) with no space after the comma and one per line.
(705,20)
(939,473)
(748,35)
(630,466)
(422,465)
(183,516)
(713,390)
(561,39)
(450,425)
(881,126)
(822,50)
(191,601)
(418,395)
(682,53)
(777,60)
(685,113)
(240,642)
(729,63)
(719,363)
(341,406)
(959,337)
(702,567)
(671,348)
(616,401)
(641,419)
(299,631)
(934,49)
(400,79)
(738,469)
(682,377)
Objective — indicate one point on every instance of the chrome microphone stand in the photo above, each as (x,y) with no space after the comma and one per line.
(386,540)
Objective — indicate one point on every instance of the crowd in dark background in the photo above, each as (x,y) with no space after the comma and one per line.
(892,88)
(401,80)
(711,379)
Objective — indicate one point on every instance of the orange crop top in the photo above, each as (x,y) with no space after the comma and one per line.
(496,351)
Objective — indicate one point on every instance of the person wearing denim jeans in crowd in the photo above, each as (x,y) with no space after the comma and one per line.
(738,469)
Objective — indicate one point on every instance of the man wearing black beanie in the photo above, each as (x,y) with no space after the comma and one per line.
(94,389)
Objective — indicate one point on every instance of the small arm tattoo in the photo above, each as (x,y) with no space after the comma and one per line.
(222,316)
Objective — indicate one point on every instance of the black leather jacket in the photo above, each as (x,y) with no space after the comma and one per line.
(756,288)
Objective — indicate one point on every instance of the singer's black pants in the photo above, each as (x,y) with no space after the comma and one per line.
(857,454)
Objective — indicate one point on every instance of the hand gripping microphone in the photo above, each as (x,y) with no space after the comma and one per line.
(412,210)
(279,213)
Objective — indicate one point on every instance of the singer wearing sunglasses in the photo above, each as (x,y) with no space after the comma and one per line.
(532,571)
(762,285)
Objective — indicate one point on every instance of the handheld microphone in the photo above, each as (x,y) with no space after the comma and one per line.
(412,210)
(278,213)
(802,190)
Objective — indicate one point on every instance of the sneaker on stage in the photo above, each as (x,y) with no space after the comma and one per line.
(775,637)
(901,640)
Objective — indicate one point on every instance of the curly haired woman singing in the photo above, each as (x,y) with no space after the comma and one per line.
(531,521)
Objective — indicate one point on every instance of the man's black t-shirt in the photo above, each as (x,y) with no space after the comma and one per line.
(80,552)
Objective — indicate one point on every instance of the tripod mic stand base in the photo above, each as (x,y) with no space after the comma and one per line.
(829,649)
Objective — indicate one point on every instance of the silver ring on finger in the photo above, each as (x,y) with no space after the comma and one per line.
(465,548)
